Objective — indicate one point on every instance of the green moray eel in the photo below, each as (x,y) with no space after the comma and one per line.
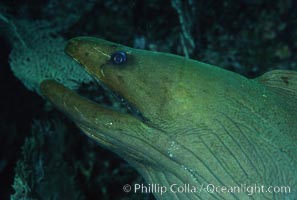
(202,130)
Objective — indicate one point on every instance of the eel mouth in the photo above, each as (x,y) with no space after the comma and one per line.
(118,131)
(104,125)
(102,95)
(66,100)
(97,120)
(121,131)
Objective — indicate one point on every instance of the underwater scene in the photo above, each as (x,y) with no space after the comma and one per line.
(144,100)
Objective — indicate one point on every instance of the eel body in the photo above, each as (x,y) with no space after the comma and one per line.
(201,127)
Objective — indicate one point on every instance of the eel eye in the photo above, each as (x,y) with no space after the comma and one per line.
(118,57)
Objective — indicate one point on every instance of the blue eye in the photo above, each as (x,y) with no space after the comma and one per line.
(118,57)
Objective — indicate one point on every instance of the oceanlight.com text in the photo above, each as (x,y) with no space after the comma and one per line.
(209,188)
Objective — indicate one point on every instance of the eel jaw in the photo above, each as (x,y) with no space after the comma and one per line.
(121,133)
